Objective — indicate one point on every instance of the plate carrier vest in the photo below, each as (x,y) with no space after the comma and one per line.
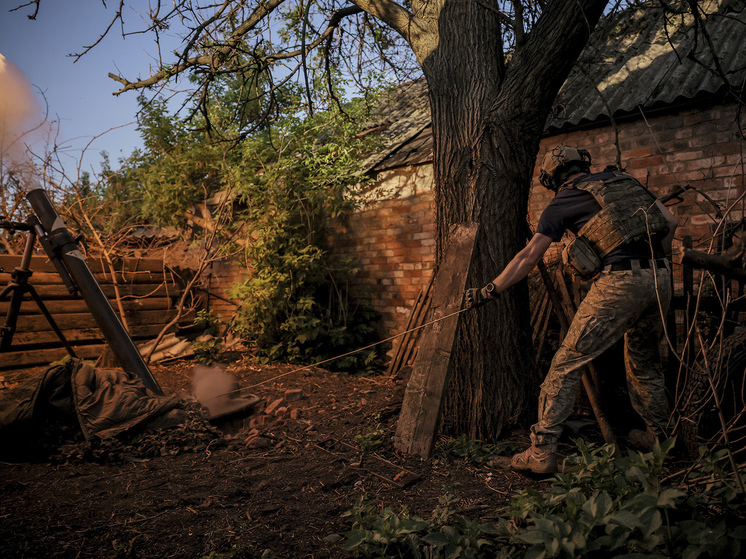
(628,213)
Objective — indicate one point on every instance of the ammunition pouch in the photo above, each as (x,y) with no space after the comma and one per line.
(581,259)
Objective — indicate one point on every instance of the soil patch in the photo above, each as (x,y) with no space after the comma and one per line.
(277,480)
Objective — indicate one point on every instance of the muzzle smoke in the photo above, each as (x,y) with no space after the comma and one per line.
(19,110)
(213,388)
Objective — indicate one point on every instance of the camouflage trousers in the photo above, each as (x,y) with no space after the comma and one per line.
(627,303)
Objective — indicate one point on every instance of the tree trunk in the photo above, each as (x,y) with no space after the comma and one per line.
(487,124)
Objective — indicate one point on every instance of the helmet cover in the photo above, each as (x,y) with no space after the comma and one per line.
(561,156)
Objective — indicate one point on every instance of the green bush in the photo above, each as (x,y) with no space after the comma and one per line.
(600,507)
(298,305)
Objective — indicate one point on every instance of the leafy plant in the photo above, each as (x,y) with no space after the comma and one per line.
(208,346)
(286,184)
(613,507)
(371,440)
(473,451)
(601,506)
(446,534)
(298,305)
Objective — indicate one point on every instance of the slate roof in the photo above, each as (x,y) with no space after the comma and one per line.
(628,64)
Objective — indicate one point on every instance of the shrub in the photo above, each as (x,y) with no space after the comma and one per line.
(601,506)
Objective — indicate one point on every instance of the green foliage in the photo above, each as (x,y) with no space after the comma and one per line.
(388,534)
(208,346)
(240,552)
(613,507)
(287,184)
(371,440)
(297,305)
(601,506)
(475,452)
(180,166)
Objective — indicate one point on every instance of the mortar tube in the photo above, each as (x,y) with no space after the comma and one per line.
(116,335)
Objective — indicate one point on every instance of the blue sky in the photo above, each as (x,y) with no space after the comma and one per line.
(79,94)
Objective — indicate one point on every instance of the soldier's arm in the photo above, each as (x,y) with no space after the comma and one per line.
(523,262)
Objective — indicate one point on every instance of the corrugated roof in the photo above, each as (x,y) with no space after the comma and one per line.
(402,117)
(637,58)
(642,58)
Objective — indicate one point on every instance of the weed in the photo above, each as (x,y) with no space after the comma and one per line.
(475,452)
(208,347)
(371,440)
(601,506)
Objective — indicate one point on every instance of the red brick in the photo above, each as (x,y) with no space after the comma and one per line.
(294,394)
(270,409)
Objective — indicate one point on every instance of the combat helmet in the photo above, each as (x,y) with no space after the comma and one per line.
(558,161)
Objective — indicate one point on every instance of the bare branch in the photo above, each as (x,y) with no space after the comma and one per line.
(117,17)
(413,29)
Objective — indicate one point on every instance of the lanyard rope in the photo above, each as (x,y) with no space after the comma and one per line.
(344,354)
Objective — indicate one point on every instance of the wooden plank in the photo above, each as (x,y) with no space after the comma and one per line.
(37,323)
(52,278)
(25,358)
(423,399)
(96,265)
(59,291)
(25,341)
(73,306)
(148,292)
(398,354)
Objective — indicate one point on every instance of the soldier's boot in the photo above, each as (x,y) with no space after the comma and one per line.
(536,460)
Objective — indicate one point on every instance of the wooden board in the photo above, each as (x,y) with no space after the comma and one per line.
(149,293)
(423,399)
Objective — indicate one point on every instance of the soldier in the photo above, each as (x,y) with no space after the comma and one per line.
(622,236)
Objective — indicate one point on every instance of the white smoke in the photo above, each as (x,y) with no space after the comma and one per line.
(19,111)
(21,122)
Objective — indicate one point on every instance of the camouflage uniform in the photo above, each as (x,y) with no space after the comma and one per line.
(626,303)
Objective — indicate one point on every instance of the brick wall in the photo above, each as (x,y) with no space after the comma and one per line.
(392,236)
(218,282)
(701,148)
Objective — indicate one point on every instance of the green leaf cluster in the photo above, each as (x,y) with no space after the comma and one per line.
(474,451)
(382,534)
(604,506)
(371,440)
(209,345)
(298,305)
(601,506)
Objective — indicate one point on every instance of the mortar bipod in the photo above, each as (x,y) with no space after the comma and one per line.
(19,284)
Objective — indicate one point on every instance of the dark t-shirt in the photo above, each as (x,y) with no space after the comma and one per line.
(572,208)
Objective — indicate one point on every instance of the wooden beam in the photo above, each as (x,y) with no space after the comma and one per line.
(423,399)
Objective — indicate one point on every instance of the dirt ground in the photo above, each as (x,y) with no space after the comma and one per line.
(240,488)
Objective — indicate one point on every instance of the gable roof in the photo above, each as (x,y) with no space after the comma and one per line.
(637,59)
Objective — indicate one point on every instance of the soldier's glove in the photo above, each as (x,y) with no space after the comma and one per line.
(475,297)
